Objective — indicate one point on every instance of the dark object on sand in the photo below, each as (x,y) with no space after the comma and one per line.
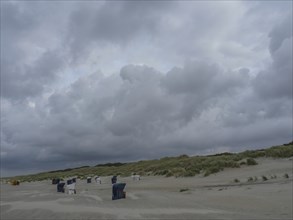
(60,187)
(118,191)
(74,180)
(55,181)
(114,179)
(69,182)
(15,182)
(89,180)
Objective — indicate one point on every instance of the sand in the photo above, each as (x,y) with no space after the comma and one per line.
(214,197)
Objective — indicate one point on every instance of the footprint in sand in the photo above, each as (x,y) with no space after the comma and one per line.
(132,196)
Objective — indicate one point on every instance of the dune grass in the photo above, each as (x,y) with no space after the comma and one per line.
(180,166)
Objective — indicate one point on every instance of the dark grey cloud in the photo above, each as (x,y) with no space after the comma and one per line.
(28,63)
(280,33)
(201,77)
(116,22)
(18,81)
(16,19)
(193,79)
(276,80)
(199,85)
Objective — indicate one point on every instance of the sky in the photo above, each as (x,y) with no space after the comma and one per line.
(91,82)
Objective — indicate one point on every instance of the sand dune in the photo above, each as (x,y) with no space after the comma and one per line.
(214,197)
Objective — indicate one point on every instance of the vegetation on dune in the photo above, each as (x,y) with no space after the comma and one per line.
(251,161)
(181,166)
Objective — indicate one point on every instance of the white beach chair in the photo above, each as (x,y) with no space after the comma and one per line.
(135,177)
(71,189)
(98,180)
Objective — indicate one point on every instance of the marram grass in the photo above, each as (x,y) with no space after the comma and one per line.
(180,166)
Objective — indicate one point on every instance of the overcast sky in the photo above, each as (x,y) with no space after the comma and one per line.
(84,83)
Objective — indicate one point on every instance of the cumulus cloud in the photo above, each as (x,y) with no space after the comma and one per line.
(142,111)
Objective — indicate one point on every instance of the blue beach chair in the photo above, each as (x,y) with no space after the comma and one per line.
(60,187)
(118,191)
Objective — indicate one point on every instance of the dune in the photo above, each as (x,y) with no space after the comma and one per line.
(217,196)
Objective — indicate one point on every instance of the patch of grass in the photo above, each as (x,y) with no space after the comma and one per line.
(212,170)
(280,151)
(207,173)
(242,163)
(251,161)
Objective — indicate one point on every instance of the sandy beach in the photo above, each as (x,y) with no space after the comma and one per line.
(217,196)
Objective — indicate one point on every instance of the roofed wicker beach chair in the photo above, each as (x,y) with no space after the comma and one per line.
(118,191)
(60,187)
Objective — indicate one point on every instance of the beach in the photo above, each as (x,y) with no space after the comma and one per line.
(224,195)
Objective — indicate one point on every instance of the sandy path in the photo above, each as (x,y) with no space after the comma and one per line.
(212,197)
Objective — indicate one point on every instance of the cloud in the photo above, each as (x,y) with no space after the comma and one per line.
(115,22)
(28,63)
(30,80)
(280,33)
(142,111)
(276,80)
(123,81)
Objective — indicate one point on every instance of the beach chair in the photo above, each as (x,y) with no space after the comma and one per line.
(60,187)
(71,188)
(15,182)
(98,180)
(135,177)
(118,191)
(55,181)
(114,179)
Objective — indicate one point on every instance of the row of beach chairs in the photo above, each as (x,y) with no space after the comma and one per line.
(117,188)
(61,185)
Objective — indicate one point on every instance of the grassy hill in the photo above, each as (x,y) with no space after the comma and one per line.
(180,166)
